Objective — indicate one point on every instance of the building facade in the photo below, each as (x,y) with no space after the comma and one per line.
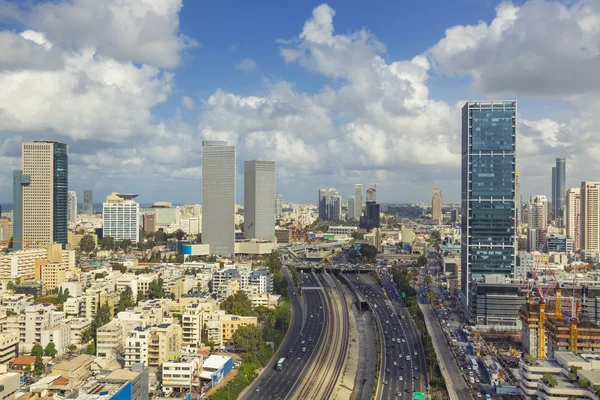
(88,202)
(558,199)
(572,210)
(120,220)
(259,190)
(278,206)
(436,206)
(488,190)
(72,208)
(589,219)
(45,198)
(19,181)
(358,200)
(351,205)
(538,222)
(218,197)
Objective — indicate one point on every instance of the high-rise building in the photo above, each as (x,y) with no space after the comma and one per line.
(88,202)
(370,220)
(259,191)
(572,210)
(436,206)
(333,205)
(589,219)
(278,206)
(120,217)
(488,191)
(19,181)
(322,204)
(45,198)
(372,194)
(538,222)
(553,197)
(358,200)
(72,208)
(218,197)
(558,202)
(518,201)
(351,208)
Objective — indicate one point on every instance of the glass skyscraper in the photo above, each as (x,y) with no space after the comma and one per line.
(488,190)
(559,191)
(259,191)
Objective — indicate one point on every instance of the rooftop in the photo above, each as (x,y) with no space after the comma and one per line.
(215,362)
(75,363)
(23,360)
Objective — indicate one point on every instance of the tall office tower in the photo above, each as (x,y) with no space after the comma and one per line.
(558,203)
(120,217)
(19,181)
(333,206)
(436,206)
(488,191)
(218,197)
(278,207)
(518,201)
(358,200)
(370,220)
(351,208)
(72,208)
(553,197)
(538,222)
(572,209)
(372,194)
(589,219)
(45,199)
(322,204)
(259,191)
(88,202)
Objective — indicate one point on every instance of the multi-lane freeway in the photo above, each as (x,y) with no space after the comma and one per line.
(403,363)
(299,346)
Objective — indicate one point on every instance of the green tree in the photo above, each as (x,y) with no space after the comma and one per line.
(549,379)
(368,252)
(87,335)
(38,366)
(72,347)
(422,261)
(37,350)
(91,348)
(280,285)
(584,382)
(238,304)
(106,243)
(529,359)
(428,280)
(179,234)
(248,338)
(87,244)
(274,262)
(431,296)
(155,289)
(10,285)
(126,299)
(50,350)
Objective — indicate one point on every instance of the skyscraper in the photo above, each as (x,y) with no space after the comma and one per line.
(351,208)
(589,219)
(358,200)
(558,203)
(488,191)
(370,220)
(538,222)
(88,202)
(322,204)
(553,197)
(259,191)
(334,205)
(278,207)
(572,210)
(120,217)
(436,206)
(19,181)
(72,208)
(218,197)
(45,199)
(518,202)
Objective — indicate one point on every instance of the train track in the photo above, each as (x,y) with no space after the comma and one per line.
(323,376)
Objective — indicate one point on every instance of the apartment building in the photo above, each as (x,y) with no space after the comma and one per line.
(38,319)
(6,229)
(14,302)
(20,264)
(589,219)
(165,340)
(181,374)
(9,346)
(78,326)
(136,346)
(110,340)
(220,327)
(192,325)
(93,299)
(60,335)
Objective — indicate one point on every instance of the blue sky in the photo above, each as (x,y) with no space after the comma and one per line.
(336,93)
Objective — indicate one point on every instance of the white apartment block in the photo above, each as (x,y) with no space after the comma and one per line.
(192,325)
(136,346)
(39,318)
(572,210)
(111,340)
(78,326)
(14,302)
(72,208)
(20,263)
(181,374)
(60,335)
(120,220)
(590,216)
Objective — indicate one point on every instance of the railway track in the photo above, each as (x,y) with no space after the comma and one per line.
(322,378)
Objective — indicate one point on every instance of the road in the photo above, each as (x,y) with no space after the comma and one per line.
(404,370)
(304,338)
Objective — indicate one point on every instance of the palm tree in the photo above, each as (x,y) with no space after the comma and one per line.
(431,296)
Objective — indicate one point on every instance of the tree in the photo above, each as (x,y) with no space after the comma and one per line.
(10,285)
(584,382)
(422,261)
(280,285)
(248,338)
(91,348)
(155,289)
(428,280)
(50,350)
(38,366)
(87,244)
(431,296)
(368,252)
(238,304)
(274,262)
(549,379)
(126,299)
(62,296)
(87,335)
(72,347)
(37,350)
(529,359)
(179,234)
(107,243)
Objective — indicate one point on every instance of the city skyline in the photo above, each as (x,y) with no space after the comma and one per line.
(255,87)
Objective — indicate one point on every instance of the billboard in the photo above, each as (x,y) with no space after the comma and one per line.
(218,375)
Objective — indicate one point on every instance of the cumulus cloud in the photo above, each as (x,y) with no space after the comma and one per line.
(188,102)
(28,50)
(247,65)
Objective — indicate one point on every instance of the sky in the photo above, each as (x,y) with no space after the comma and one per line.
(336,93)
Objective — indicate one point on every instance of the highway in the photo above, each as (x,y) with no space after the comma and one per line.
(404,369)
(323,374)
(298,347)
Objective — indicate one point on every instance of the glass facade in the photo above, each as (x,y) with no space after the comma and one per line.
(61,192)
(488,190)
(558,204)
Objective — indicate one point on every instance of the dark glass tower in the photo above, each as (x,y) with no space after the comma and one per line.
(558,203)
(88,202)
(61,192)
(488,190)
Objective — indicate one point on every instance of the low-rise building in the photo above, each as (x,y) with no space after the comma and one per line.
(75,370)
(10,383)
(182,374)
(9,346)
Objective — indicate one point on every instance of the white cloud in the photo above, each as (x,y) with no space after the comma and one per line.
(188,102)
(28,50)
(247,64)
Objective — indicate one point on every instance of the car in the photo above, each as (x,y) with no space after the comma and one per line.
(400,378)
(415,353)
(407,390)
(387,370)
(399,394)
(304,349)
(310,339)
(385,382)
(301,333)
(416,368)
(311,315)
(395,363)
(257,389)
(403,340)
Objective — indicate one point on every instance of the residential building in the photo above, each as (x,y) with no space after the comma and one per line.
(218,197)
(436,206)
(342,230)
(261,281)
(181,374)
(351,205)
(77,327)
(74,239)
(136,346)
(72,208)
(20,263)
(120,219)
(284,235)
(558,194)
(39,318)
(149,223)
(538,222)
(88,202)
(589,219)
(76,370)
(52,270)
(572,210)
(278,205)
(556,243)
(164,341)
(259,190)
(110,340)
(60,335)
(9,346)
(231,323)
(10,383)
(45,198)
(6,229)
(192,325)
(358,200)
(488,191)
